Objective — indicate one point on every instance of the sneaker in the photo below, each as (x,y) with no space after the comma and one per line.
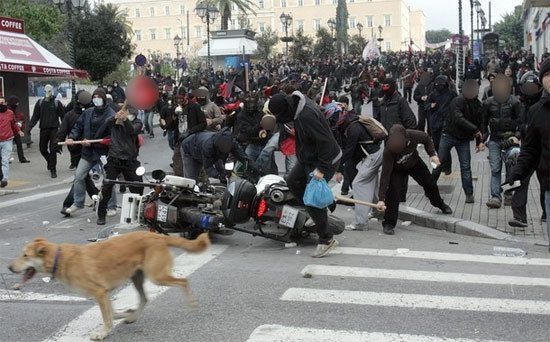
(388,230)
(72,167)
(64,212)
(72,209)
(446,210)
(323,250)
(518,223)
(494,203)
(470,199)
(507,200)
(100,221)
(111,212)
(344,193)
(543,218)
(24,161)
(3,184)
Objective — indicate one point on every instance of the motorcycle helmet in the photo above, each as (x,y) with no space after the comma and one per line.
(530,84)
(511,156)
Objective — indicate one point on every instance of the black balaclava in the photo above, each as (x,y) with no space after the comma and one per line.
(281,106)
(13,102)
(441,83)
(389,87)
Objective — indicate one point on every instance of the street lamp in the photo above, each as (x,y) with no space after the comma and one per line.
(359,28)
(331,25)
(70,6)
(286,20)
(177,43)
(208,14)
(477,5)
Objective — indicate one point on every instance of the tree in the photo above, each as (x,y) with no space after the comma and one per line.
(102,41)
(324,46)
(301,48)
(356,45)
(510,29)
(437,36)
(122,74)
(244,6)
(42,21)
(342,26)
(266,43)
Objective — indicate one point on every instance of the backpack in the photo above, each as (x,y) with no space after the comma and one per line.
(375,129)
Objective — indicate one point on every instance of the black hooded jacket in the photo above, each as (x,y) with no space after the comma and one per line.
(464,118)
(396,110)
(501,120)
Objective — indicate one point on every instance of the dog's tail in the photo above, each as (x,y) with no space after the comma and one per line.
(198,245)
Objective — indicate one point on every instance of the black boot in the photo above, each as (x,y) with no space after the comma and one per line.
(101,221)
(446,210)
(388,230)
(53,173)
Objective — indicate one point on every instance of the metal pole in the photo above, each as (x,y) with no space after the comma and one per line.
(188,29)
(286,40)
(460,57)
(72,56)
(477,27)
(472,25)
(208,41)
(490,29)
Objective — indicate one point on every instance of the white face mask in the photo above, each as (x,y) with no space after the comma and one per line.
(131,117)
(98,101)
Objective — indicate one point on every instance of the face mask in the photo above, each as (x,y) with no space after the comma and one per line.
(13,107)
(3,108)
(440,87)
(98,101)
(388,89)
(115,85)
(131,117)
(202,101)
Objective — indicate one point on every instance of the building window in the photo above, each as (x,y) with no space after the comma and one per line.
(300,3)
(137,13)
(388,46)
(152,34)
(184,32)
(166,10)
(138,34)
(283,3)
(261,4)
(317,2)
(232,24)
(182,9)
(387,20)
(261,27)
(351,1)
(316,24)
(167,33)
(351,23)
(152,11)
(299,25)
(335,2)
(198,31)
(370,23)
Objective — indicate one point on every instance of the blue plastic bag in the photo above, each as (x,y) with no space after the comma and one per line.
(318,194)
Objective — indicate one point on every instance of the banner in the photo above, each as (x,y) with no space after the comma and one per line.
(371,51)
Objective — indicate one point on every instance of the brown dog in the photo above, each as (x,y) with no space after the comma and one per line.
(98,268)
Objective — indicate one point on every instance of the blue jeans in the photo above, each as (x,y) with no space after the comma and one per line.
(171,139)
(79,184)
(148,121)
(5,153)
(272,146)
(462,147)
(253,151)
(495,160)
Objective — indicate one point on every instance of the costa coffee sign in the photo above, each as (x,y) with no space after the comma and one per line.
(12,25)
(41,70)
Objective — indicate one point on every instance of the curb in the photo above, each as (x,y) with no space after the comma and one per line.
(460,226)
(18,191)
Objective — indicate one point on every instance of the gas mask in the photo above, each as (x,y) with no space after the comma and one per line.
(48,89)
(98,101)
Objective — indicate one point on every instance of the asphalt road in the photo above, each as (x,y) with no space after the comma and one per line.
(419,285)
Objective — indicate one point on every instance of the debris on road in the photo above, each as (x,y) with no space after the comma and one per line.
(406,223)
(290,245)
(44,223)
(46,279)
(508,251)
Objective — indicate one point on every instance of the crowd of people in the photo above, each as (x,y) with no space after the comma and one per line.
(313,114)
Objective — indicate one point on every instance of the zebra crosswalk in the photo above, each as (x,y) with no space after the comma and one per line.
(494,303)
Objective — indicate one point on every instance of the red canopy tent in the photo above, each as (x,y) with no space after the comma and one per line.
(21,58)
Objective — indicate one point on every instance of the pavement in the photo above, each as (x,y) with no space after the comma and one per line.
(418,285)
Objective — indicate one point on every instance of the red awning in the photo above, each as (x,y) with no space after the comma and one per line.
(21,54)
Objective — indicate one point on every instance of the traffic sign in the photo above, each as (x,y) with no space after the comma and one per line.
(140,60)
(19,48)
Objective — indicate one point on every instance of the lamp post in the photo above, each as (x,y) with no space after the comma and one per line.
(69,6)
(477,5)
(286,20)
(208,14)
(380,39)
(177,43)
(331,25)
(360,28)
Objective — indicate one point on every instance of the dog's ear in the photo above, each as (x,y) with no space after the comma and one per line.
(40,248)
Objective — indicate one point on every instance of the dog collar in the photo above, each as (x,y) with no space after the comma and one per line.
(56,262)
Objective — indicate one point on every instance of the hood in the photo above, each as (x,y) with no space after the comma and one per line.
(223,140)
(300,101)
(101,93)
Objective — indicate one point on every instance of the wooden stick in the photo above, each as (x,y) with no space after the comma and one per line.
(323,93)
(354,201)
(80,142)
(122,109)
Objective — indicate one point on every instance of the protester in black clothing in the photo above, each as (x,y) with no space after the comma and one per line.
(84,99)
(421,92)
(535,149)
(438,106)
(401,160)
(488,91)
(122,157)
(50,113)
(374,97)
(462,124)
(13,103)
(317,151)
(118,93)
(394,109)
(530,88)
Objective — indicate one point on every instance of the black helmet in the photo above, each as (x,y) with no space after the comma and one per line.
(529,84)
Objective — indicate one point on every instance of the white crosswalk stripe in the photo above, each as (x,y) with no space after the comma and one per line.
(13,296)
(279,333)
(364,272)
(407,301)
